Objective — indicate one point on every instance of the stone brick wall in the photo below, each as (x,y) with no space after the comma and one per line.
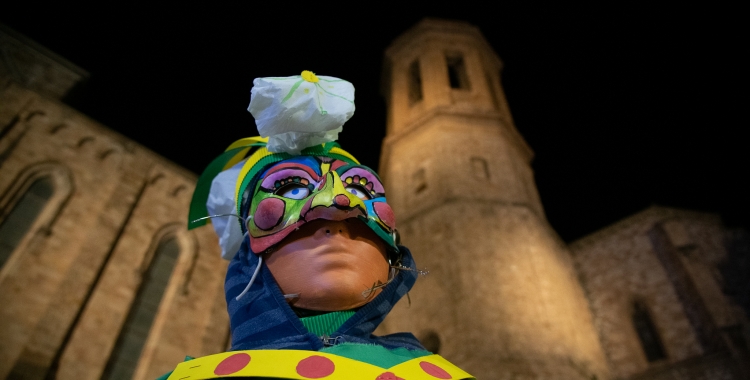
(502,295)
(719,366)
(625,263)
(502,299)
(69,284)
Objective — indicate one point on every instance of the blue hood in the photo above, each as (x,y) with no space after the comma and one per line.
(262,319)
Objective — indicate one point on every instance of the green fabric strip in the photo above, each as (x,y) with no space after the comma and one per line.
(375,355)
(326,324)
(203,188)
(165,377)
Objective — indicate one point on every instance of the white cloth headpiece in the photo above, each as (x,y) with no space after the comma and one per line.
(221,202)
(300,111)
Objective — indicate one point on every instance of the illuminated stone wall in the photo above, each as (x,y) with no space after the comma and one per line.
(67,287)
(667,259)
(502,299)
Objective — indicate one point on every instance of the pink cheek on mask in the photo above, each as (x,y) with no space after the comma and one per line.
(268,214)
(385,213)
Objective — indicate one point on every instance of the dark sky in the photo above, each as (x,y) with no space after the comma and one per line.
(624,106)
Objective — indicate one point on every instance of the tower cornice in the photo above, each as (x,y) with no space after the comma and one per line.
(452,111)
(431,28)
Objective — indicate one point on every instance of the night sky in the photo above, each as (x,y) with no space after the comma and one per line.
(625,107)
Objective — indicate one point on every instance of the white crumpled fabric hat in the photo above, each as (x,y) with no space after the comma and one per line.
(300,111)
(221,202)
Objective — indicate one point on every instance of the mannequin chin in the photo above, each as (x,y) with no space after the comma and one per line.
(329,264)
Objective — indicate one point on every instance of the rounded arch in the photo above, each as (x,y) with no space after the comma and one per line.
(33,114)
(177,190)
(30,206)
(184,239)
(57,128)
(156,178)
(103,155)
(165,269)
(648,334)
(84,141)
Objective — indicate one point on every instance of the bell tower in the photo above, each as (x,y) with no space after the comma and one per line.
(502,299)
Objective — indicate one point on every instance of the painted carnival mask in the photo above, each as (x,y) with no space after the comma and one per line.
(306,188)
(279,192)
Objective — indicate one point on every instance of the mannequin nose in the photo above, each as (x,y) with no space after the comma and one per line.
(332,228)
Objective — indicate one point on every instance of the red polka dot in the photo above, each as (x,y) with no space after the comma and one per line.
(388,376)
(232,364)
(341,200)
(434,370)
(385,213)
(315,367)
(269,213)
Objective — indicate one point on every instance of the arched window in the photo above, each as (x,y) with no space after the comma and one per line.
(479,168)
(415,83)
(457,76)
(647,333)
(19,220)
(420,181)
(124,359)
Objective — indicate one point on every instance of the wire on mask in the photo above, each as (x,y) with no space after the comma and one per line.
(391,276)
(421,272)
(252,279)
(247,230)
(215,216)
(257,267)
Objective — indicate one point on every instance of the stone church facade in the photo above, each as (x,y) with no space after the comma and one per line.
(99,277)
(91,227)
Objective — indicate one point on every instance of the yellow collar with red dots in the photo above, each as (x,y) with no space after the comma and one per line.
(303,365)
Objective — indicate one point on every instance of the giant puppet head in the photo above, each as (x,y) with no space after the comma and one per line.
(304,223)
(316,216)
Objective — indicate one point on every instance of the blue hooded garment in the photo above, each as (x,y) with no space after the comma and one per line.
(262,319)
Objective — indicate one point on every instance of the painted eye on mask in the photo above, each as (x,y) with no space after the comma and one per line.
(359,192)
(361,182)
(293,191)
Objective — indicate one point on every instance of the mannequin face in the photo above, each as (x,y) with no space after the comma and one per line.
(330,264)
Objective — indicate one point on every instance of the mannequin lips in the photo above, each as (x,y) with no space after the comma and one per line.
(322,235)
(329,264)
